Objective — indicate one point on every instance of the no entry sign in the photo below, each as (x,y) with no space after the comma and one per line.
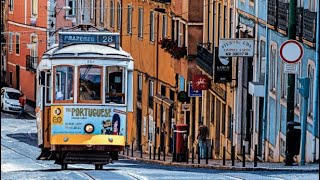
(291,51)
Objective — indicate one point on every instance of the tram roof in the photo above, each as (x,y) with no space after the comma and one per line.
(86,50)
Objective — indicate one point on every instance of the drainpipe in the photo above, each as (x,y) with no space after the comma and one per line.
(266,91)
(315,90)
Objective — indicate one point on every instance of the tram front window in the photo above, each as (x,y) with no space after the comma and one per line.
(115,85)
(63,82)
(90,83)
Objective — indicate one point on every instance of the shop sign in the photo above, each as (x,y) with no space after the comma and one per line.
(200,82)
(233,47)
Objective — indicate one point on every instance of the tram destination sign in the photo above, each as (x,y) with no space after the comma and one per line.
(236,47)
(88,37)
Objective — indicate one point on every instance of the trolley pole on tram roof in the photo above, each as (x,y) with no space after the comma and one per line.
(291,80)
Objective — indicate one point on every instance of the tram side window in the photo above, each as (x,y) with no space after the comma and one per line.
(90,83)
(63,83)
(115,92)
(48,88)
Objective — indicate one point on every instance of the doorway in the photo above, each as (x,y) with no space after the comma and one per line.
(18,77)
(139,126)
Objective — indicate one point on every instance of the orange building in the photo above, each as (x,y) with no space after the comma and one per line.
(26,41)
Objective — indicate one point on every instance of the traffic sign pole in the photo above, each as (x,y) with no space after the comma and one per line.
(291,80)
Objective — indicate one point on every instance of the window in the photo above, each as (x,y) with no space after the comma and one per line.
(48,88)
(223,119)
(129,25)
(151,26)
(115,84)
(11,5)
(225,11)
(310,100)
(163,90)
(10,41)
(212,100)
(164,26)
(101,11)
(178,33)
(90,83)
(63,84)
(92,2)
(10,78)
(297,96)
(111,13)
(34,7)
(183,36)
(312,5)
(72,4)
(218,108)
(119,16)
(34,50)
(273,68)
(151,94)
(262,60)
(231,22)
(17,43)
(139,87)
(140,23)
(229,124)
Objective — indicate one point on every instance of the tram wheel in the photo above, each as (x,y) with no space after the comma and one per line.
(98,166)
(64,166)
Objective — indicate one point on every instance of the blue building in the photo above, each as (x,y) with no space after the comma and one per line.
(255,19)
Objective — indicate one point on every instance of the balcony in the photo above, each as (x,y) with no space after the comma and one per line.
(283,16)
(31,63)
(204,59)
(299,26)
(309,25)
(272,12)
(170,46)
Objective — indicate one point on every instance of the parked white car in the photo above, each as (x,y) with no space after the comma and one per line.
(10,99)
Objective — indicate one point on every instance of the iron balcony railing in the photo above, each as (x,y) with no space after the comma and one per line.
(31,63)
(204,58)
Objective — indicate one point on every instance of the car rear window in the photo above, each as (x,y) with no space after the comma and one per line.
(12,95)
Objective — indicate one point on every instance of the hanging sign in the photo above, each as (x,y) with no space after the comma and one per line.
(200,82)
(236,47)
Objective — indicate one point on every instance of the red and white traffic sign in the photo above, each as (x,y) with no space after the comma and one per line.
(291,51)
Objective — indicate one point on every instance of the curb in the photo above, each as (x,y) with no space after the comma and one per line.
(217,167)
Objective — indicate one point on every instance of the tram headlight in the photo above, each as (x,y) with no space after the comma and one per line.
(88,128)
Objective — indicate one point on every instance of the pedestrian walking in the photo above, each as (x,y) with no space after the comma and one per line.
(22,101)
(202,138)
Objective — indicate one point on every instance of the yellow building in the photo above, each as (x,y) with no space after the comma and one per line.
(162,37)
(216,106)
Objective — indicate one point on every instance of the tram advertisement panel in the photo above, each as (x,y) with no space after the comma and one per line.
(72,119)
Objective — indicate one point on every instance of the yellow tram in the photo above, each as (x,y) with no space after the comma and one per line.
(84,99)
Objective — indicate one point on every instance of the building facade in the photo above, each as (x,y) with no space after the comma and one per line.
(269,28)
(26,41)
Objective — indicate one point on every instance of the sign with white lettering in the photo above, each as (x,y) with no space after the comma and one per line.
(290,68)
(89,37)
(236,47)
